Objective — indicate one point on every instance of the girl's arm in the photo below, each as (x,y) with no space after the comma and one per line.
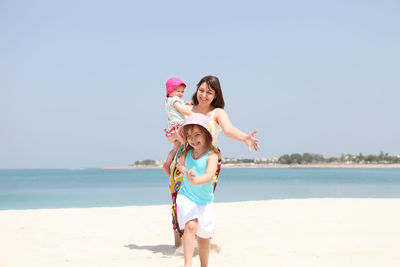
(232,132)
(212,165)
(180,165)
(181,108)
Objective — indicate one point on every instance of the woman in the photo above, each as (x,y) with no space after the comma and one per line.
(208,100)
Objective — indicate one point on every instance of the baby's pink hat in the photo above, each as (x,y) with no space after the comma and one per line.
(172,83)
(198,119)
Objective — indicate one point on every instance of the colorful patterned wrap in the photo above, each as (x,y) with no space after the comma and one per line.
(176,178)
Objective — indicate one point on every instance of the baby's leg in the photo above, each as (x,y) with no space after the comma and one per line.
(170,158)
(175,137)
(172,138)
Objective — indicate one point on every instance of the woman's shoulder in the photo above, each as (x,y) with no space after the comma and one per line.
(219,115)
(217,112)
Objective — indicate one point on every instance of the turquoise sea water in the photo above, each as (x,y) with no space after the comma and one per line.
(35,189)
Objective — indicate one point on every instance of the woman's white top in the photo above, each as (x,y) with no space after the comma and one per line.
(215,129)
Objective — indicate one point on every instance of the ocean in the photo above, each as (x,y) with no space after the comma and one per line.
(63,188)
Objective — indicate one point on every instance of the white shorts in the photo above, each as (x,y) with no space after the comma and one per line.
(188,210)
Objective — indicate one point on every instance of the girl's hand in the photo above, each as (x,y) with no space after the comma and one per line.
(191,177)
(251,141)
(180,167)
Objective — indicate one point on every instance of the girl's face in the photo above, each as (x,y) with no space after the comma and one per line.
(196,138)
(205,95)
(178,91)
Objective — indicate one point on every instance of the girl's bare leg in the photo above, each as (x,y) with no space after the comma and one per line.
(204,250)
(188,241)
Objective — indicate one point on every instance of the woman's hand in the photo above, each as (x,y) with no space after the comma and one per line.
(251,141)
(191,177)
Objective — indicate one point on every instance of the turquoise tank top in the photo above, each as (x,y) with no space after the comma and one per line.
(199,194)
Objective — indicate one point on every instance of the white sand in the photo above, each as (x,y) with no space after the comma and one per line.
(312,232)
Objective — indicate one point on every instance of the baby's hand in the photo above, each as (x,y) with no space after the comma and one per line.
(191,177)
(180,167)
(189,103)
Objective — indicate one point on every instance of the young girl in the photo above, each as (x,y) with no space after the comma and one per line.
(177,110)
(195,199)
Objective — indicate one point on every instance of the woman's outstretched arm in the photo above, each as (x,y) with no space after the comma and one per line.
(232,132)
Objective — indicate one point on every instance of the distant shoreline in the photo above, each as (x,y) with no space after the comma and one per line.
(277,166)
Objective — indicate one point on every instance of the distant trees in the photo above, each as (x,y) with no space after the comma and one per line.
(296,158)
(146,162)
(236,161)
(381,158)
(307,158)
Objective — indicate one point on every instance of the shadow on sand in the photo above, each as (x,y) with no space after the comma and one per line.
(167,250)
(171,250)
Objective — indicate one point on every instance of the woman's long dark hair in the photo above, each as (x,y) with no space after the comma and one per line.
(214,84)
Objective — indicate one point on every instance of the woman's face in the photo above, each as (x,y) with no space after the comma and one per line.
(205,95)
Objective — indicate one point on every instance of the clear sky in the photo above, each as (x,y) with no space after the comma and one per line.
(82,83)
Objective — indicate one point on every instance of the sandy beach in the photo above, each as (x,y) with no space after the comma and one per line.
(293,232)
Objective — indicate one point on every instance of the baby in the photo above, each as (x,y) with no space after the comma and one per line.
(176,110)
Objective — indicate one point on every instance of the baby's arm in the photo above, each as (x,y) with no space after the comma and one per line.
(212,165)
(182,109)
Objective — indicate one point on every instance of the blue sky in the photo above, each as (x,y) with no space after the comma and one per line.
(82,82)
